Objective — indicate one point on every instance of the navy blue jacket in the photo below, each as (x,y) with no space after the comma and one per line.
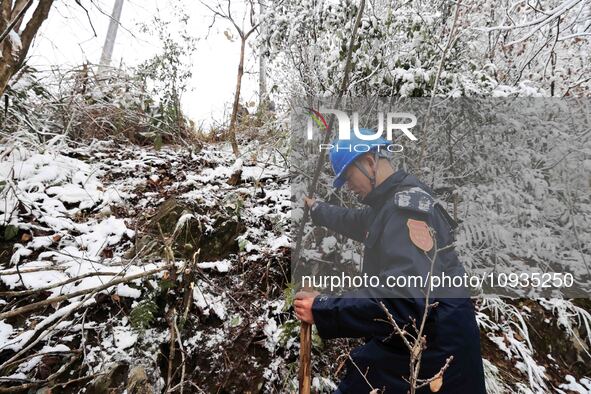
(451,327)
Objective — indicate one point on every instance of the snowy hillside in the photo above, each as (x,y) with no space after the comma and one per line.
(143,251)
(119,246)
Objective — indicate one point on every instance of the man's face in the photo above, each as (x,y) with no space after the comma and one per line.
(356,181)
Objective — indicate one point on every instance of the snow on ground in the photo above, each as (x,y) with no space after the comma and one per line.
(74,216)
(581,387)
(63,208)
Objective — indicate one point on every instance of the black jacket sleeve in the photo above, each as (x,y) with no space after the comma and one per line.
(351,223)
(359,313)
(354,317)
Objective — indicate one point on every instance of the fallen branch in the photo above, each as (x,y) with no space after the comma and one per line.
(53,285)
(37,305)
(37,383)
(30,343)
(54,353)
(32,269)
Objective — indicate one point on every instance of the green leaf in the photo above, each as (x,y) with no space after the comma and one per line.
(166,284)
(289,295)
(236,320)
(142,316)
(289,329)
(242,244)
(10,232)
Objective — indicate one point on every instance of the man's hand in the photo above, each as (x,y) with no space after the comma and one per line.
(303,305)
(309,201)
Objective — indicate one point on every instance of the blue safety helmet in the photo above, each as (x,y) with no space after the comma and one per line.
(343,153)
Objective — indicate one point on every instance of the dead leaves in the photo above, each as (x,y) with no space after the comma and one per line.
(435,384)
(235,178)
(107,253)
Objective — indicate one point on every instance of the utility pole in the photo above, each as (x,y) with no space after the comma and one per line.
(263,99)
(111,36)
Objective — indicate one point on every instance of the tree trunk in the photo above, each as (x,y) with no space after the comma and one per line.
(13,58)
(5,74)
(232,128)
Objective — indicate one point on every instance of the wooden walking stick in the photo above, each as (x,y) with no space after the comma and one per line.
(305,377)
(305,373)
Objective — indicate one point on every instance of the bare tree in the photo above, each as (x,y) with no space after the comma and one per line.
(542,39)
(15,44)
(244,34)
(414,337)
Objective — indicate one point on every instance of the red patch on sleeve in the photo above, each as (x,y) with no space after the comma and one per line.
(420,234)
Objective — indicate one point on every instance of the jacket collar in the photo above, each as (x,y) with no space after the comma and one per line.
(381,193)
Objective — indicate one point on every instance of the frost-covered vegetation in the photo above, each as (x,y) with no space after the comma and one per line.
(138,254)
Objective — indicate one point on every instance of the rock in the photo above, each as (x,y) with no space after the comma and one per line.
(222,241)
(138,382)
(236,176)
(179,219)
(106,211)
(113,381)
(166,219)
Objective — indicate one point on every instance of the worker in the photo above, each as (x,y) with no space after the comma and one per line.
(405,232)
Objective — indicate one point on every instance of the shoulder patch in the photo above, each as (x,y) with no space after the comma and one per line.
(414,199)
(420,235)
